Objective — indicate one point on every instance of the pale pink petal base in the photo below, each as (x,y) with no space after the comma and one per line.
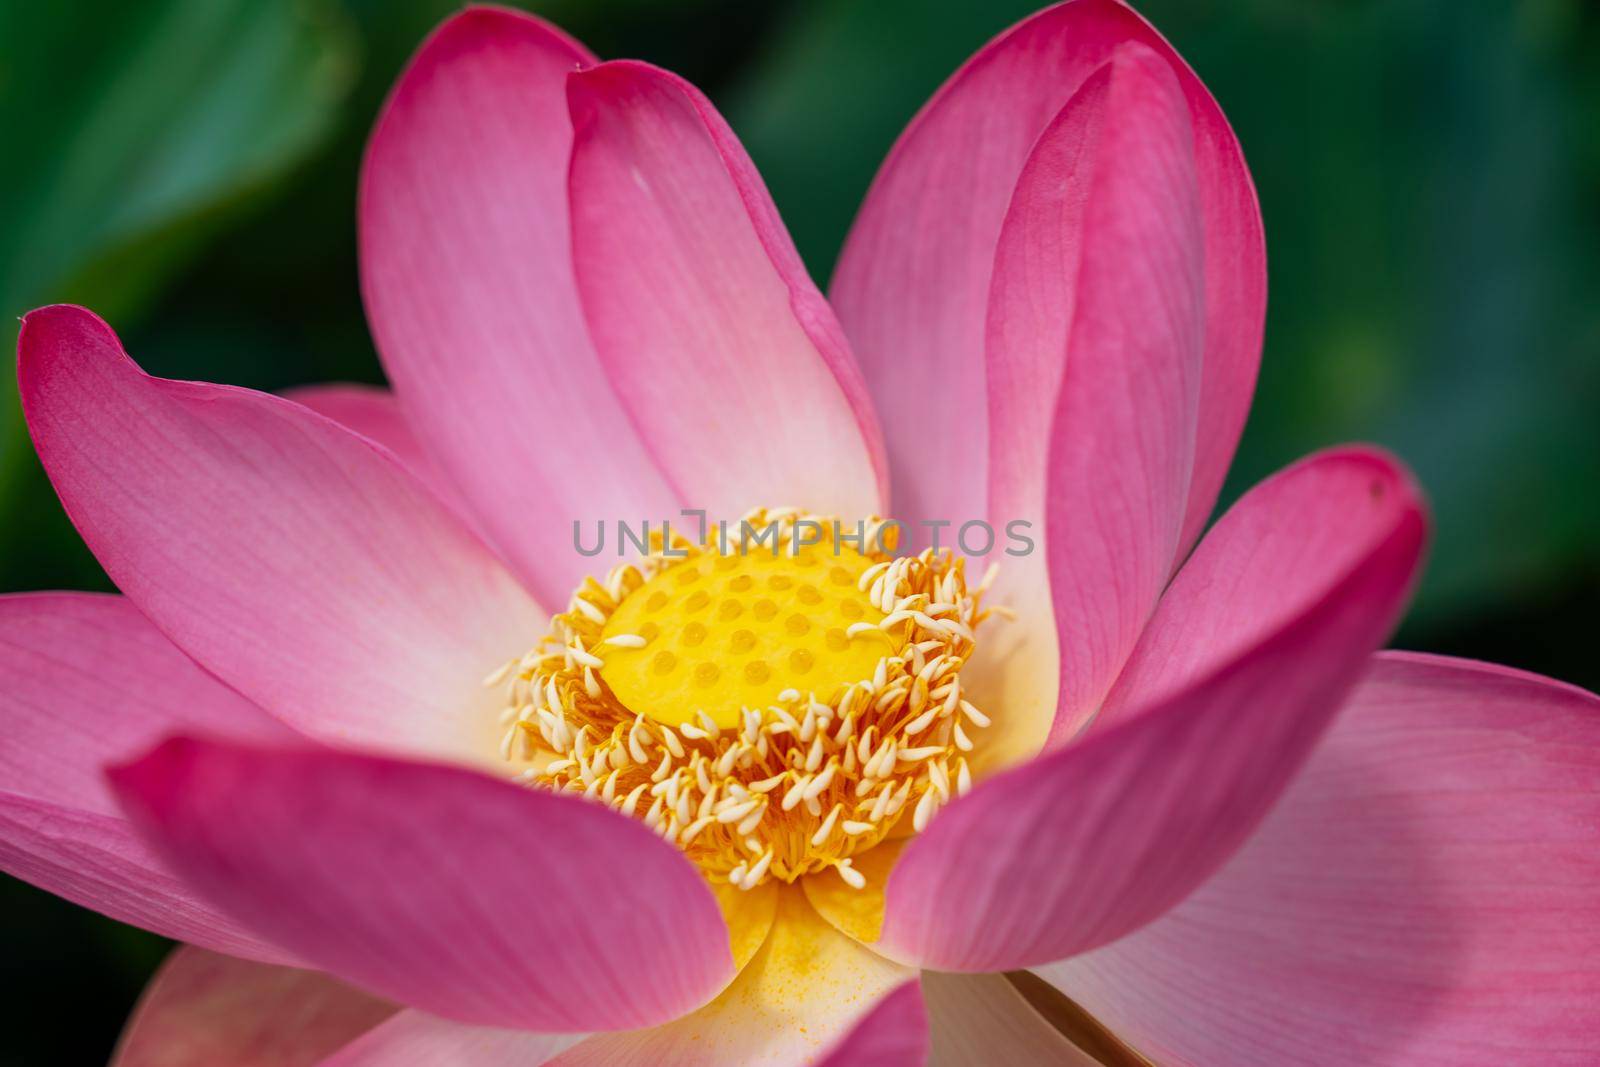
(1086,844)
(981,1018)
(206,1010)
(893,1034)
(439,887)
(1422,896)
(805,990)
(416,1039)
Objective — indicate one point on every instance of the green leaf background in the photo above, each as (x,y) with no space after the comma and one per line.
(1429,173)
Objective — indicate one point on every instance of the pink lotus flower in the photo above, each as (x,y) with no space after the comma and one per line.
(1205,810)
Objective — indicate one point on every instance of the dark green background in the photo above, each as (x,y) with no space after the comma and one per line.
(1429,171)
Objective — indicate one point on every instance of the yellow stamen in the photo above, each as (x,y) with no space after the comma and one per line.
(774,714)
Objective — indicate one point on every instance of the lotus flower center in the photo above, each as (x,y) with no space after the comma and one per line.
(773,702)
(721,633)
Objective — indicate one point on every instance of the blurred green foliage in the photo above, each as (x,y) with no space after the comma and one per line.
(1429,172)
(138,136)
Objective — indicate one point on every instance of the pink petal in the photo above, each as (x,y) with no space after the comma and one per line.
(893,1033)
(981,1018)
(726,356)
(1423,895)
(85,680)
(1086,844)
(467,273)
(438,887)
(1270,559)
(913,283)
(416,1039)
(374,413)
(97,861)
(297,562)
(807,989)
(1095,346)
(202,1009)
